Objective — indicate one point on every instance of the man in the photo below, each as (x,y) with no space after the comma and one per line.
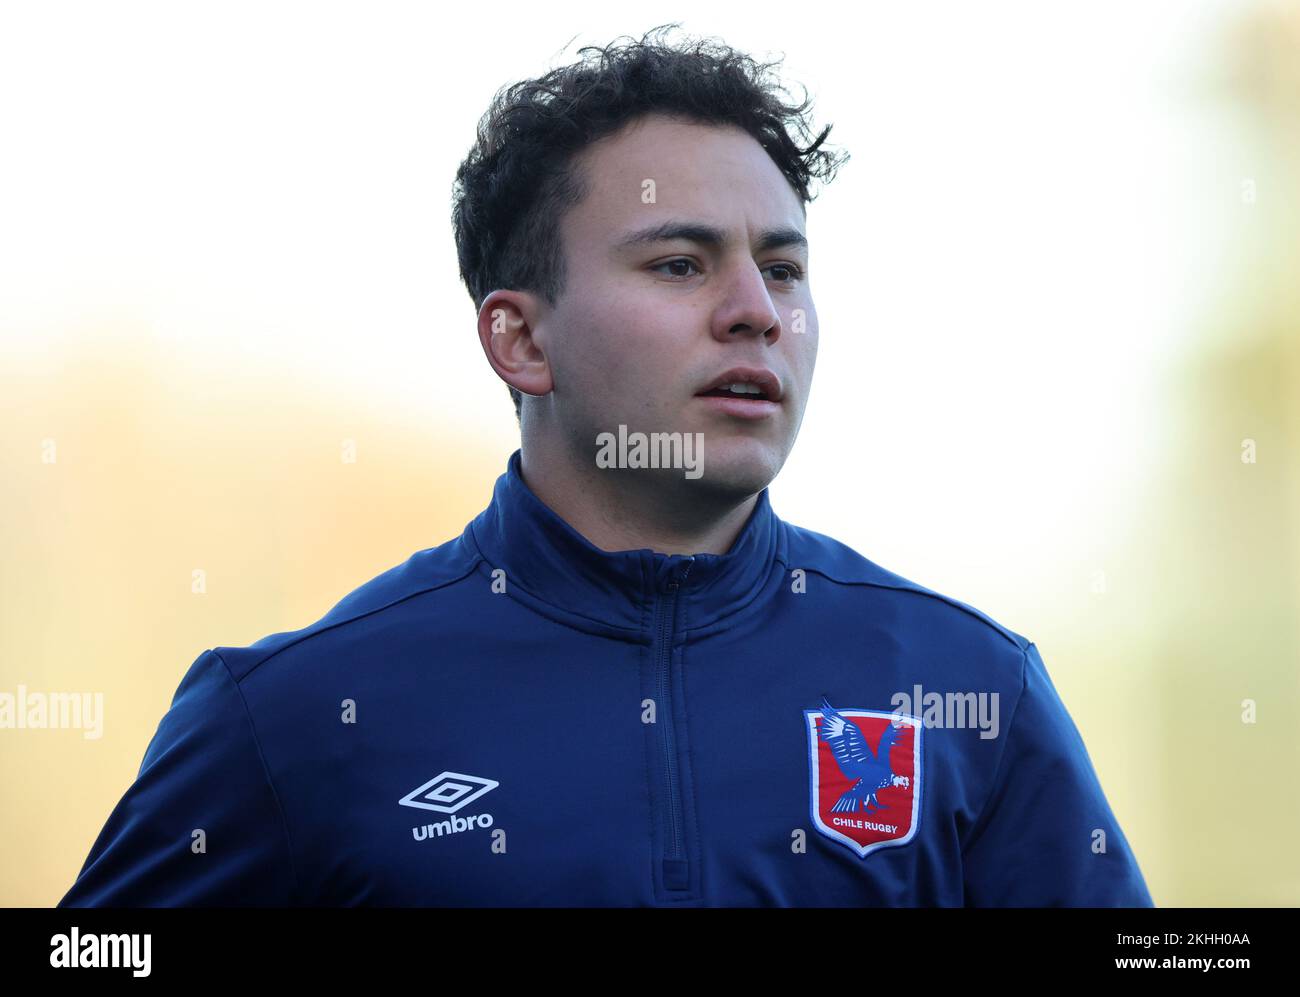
(628,682)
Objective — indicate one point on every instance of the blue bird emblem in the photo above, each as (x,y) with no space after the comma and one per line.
(870,771)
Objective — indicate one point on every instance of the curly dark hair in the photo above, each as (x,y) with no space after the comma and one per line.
(518,178)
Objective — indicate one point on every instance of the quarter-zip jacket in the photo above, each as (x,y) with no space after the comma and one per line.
(517,717)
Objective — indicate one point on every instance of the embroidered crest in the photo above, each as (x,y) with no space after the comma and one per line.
(864,776)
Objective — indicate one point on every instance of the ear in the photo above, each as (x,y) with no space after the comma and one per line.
(506,321)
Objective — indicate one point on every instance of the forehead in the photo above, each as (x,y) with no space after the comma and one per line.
(710,173)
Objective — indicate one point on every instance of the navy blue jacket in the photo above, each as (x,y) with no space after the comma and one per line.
(517,717)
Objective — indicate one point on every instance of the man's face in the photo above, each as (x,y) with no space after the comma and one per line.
(645,326)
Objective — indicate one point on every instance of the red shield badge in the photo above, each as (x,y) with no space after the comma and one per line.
(865,776)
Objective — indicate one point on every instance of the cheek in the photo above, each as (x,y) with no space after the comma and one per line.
(633,345)
(803,344)
(600,363)
(809,326)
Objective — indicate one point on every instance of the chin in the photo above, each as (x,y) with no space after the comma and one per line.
(739,470)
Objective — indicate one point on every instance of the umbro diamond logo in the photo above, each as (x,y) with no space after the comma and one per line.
(448,792)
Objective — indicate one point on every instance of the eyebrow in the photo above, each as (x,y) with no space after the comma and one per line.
(709,235)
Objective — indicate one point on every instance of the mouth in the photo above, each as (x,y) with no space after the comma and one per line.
(745,392)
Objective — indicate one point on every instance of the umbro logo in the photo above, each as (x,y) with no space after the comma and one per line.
(448,792)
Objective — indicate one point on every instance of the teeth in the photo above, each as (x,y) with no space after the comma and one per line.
(742,388)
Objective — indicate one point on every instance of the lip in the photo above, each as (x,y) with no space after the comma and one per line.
(767,382)
(741,408)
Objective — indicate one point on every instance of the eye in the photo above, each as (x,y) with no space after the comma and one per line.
(680,261)
(795,272)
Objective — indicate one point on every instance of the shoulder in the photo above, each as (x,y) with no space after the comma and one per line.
(908,607)
(421,585)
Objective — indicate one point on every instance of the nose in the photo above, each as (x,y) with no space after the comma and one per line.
(748,308)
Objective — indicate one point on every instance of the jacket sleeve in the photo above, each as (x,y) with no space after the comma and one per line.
(1037,841)
(203,771)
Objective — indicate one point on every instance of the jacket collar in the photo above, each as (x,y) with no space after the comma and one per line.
(552,563)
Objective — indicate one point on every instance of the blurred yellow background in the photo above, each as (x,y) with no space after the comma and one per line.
(1056,294)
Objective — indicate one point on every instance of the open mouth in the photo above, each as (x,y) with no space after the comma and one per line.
(745,390)
(742,401)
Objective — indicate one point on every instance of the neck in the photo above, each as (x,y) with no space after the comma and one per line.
(628,509)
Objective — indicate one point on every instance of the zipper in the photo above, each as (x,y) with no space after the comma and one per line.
(676,870)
